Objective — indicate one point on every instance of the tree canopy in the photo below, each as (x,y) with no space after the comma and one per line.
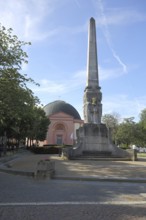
(112,122)
(18,105)
(127,132)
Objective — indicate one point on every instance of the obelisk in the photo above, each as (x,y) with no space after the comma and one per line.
(92,94)
(93,138)
(92,65)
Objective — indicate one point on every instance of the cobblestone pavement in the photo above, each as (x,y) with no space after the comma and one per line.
(24,198)
(112,169)
(73,212)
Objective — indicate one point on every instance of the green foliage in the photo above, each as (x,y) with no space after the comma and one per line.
(141,154)
(11,53)
(126,132)
(39,124)
(141,129)
(45,150)
(18,112)
(143,118)
(112,122)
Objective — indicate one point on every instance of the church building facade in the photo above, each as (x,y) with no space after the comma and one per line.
(65,120)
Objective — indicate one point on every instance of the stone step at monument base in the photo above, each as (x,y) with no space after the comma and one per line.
(100,158)
(99,155)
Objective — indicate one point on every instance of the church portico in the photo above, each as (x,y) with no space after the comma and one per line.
(59,133)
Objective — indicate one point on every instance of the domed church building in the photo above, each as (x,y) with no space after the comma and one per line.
(65,120)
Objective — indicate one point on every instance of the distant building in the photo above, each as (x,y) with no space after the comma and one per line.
(65,120)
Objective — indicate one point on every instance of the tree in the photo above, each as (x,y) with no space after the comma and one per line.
(143,118)
(17,101)
(141,129)
(126,132)
(38,126)
(112,122)
(140,137)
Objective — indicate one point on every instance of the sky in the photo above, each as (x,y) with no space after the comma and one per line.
(57,58)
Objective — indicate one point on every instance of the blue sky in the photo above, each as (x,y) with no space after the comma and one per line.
(58,31)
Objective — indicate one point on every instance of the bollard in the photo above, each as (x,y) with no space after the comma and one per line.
(45,168)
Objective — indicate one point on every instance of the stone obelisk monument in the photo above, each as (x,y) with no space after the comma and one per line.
(92,94)
(93,137)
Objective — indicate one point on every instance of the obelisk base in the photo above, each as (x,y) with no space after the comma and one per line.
(93,141)
(93,137)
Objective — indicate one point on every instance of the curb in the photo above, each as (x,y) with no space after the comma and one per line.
(8,159)
(76,178)
(17,172)
(101,179)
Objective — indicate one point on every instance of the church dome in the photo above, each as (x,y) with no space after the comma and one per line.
(61,106)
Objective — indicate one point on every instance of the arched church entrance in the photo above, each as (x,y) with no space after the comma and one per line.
(59,134)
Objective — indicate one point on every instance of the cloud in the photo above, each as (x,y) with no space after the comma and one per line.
(77,3)
(59,87)
(120,16)
(109,73)
(104,74)
(27,16)
(121,103)
(106,33)
(124,105)
(77,81)
(50,87)
(122,64)
(80,75)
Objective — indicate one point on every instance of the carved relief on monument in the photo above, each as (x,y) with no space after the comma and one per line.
(92,110)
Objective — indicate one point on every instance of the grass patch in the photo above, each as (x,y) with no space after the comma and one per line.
(141,154)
